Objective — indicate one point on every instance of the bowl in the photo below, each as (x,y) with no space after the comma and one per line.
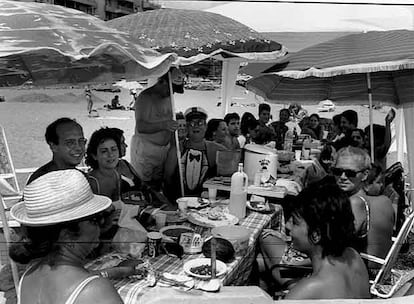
(238,237)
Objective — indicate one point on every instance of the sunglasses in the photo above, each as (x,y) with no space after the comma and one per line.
(348,173)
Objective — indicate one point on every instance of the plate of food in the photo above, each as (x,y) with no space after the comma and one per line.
(201,268)
(172,233)
(212,217)
(259,204)
(195,202)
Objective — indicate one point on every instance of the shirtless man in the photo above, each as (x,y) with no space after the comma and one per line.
(154,128)
(321,226)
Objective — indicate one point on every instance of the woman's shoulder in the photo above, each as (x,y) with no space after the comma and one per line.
(99,290)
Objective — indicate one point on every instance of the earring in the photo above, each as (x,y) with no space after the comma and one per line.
(315,237)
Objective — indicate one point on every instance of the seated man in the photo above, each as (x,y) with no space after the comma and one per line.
(322,227)
(198,157)
(65,138)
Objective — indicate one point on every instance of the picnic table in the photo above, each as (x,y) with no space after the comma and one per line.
(238,271)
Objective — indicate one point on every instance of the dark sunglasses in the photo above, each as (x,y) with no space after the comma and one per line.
(348,173)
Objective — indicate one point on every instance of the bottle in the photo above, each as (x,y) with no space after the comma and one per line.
(238,193)
(288,141)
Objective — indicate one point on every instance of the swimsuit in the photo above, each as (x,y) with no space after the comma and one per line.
(361,240)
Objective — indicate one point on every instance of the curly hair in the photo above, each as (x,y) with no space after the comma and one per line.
(98,137)
(326,209)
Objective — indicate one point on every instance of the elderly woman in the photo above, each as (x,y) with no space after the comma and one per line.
(374,215)
(321,226)
(61,218)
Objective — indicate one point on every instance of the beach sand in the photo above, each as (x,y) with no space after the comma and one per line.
(27,112)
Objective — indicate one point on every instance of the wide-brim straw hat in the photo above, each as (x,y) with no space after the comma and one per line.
(57,197)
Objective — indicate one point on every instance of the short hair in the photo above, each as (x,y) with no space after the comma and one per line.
(51,135)
(337,119)
(179,115)
(360,131)
(264,107)
(351,116)
(362,157)
(326,209)
(231,116)
(212,126)
(284,110)
(97,138)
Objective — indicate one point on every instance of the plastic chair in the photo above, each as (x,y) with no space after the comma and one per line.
(380,287)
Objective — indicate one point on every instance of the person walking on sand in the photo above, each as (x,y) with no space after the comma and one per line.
(89,102)
(67,143)
(154,128)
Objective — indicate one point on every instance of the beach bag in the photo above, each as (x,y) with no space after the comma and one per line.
(131,235)
(195,166)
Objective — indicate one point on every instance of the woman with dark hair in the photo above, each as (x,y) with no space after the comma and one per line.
(322,227)
(102,155)
(61,219)
(314,128)
(217,131)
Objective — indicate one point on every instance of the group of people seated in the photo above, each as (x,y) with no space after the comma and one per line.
(331,220)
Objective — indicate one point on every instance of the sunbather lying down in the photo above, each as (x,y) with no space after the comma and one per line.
(321,227)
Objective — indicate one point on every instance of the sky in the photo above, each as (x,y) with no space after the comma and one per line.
(296,17)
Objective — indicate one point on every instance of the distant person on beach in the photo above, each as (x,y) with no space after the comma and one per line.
(89,101)
(154,128)
(67,143)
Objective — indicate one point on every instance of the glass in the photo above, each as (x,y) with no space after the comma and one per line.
(196,123)
(71,143)
(348,172)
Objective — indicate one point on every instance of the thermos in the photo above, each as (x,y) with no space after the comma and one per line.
(238,193)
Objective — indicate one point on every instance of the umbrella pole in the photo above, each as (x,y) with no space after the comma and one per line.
(177,141)
(371,126)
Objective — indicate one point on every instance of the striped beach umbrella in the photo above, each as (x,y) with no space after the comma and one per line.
(347,70)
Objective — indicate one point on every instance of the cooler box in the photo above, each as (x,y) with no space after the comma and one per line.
(258,157)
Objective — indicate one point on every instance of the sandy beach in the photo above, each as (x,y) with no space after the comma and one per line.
(27,112)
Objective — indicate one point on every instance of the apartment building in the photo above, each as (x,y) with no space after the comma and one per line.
(104,9)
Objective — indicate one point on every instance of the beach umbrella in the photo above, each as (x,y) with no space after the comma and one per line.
(44,44)
(198,35)
(373,67)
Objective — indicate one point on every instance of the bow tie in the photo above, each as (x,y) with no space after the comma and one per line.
(196,157)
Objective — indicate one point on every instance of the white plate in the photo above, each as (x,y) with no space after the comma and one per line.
(195,202)
(201,218)
(263,207)
(221,268)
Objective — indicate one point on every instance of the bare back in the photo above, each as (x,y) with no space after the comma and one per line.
(342,277)
(151,109)
(49,286)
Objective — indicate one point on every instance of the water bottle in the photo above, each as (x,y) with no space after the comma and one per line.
(238,193)
(288,141)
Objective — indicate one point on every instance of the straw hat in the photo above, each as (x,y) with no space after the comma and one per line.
(56,197)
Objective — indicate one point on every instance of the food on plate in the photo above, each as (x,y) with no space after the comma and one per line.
(260,205)
(204,270)
(224,250)
(216,214)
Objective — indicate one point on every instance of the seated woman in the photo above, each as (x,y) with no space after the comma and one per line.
(218,132)
(58,240)
(321,226)
(374,215)
(314,128)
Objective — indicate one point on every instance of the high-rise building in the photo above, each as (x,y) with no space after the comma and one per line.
(104,9)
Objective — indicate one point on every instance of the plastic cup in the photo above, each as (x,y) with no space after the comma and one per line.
(298,154)
(212,194)
(325,134)
(160,219)
(182,205)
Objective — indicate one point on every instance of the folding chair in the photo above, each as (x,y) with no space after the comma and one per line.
(380,287)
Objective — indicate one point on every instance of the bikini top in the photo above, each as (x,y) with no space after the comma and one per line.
(73,296)
(365,234)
